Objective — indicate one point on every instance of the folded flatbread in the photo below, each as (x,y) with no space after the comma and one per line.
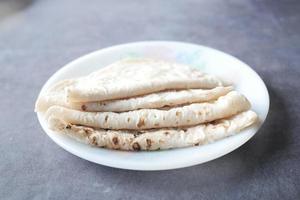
(158,138)
(193,114)
(133,77)
(154,100)
(57,96)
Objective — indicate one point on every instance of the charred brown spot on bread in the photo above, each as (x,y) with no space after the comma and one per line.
(199,113)
(141,122)
(83,107)
(178,113)
(149,143)
(101,104)
(156,124)
(94,140)
(128,119)
(115,140)
(167,133)
(68,126)
(88,131)
(106,118)
(184,130)
(136,146)
(214,122)
(197,144)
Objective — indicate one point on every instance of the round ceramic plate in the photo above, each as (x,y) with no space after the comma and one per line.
(226,67)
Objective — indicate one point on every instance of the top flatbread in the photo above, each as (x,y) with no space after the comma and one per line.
(132,77)
(56,95)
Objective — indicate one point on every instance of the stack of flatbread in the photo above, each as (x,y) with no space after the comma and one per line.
(144,104)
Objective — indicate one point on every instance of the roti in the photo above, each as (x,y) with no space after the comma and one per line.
(134,77)
(57,96)
(188,115)
(156,139)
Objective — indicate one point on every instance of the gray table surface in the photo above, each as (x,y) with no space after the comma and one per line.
(38,37)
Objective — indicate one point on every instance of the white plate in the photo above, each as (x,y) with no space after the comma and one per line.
(206,59)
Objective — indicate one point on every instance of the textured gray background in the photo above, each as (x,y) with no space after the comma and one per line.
(38,37)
